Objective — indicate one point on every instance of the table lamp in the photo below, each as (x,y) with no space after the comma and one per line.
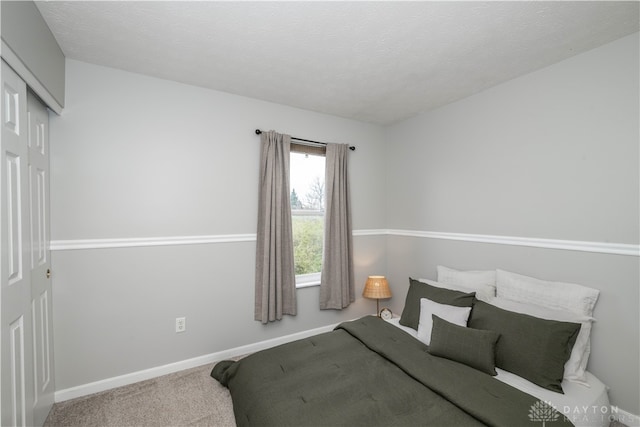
(376,287)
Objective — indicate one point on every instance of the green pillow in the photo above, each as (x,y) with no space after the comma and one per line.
(533,348)
(473,347)
(411,313)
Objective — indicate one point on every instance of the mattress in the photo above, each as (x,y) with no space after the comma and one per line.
(585,405)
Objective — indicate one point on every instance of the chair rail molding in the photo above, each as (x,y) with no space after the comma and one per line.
(571,245)
(65,245)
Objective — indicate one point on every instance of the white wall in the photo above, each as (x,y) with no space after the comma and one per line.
(138,157)
(553,155)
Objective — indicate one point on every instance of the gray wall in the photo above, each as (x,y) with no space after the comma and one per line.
(552,155)
(29,37)
(138,157)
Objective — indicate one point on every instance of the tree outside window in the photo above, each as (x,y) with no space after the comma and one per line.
(307,214)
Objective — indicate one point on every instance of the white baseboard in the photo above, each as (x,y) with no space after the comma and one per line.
(626,418)
(122,380)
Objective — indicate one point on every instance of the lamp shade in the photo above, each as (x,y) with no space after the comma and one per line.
(376,287)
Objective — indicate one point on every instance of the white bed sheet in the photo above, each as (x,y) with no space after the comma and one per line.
(584,406)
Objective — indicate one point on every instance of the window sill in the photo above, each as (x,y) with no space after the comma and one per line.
(307,284)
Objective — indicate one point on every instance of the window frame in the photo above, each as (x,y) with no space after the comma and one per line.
(309,279)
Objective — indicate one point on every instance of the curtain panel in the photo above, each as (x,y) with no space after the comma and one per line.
(337,284)
(275,286)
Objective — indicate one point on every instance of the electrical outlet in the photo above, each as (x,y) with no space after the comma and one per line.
(181,324)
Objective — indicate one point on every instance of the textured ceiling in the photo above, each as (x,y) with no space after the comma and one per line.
(378,62)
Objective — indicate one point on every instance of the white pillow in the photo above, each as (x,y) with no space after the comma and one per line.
(465,278)
(450,313)
(556,295)
(483,292)
(574,368)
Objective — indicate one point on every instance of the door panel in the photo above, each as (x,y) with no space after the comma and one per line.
(16,330)
(18,374)
(13,164)
(40,265)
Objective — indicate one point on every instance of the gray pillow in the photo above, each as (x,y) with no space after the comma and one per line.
(473,347)
(533,348)
(411,313)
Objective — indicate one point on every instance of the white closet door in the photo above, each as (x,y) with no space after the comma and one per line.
(39,260)
(16,339)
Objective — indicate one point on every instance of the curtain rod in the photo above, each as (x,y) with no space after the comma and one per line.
(351,147)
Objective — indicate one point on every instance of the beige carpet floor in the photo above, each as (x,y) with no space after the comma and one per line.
(185,398)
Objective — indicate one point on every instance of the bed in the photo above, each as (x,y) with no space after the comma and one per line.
(375,372)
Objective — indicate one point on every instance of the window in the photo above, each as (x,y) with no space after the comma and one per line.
(307,214)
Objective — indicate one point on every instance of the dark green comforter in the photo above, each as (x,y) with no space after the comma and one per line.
(368,372)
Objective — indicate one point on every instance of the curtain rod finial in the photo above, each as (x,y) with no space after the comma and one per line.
(258,131)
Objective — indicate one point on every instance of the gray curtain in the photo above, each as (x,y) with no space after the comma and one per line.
(275,274)
(337,285)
